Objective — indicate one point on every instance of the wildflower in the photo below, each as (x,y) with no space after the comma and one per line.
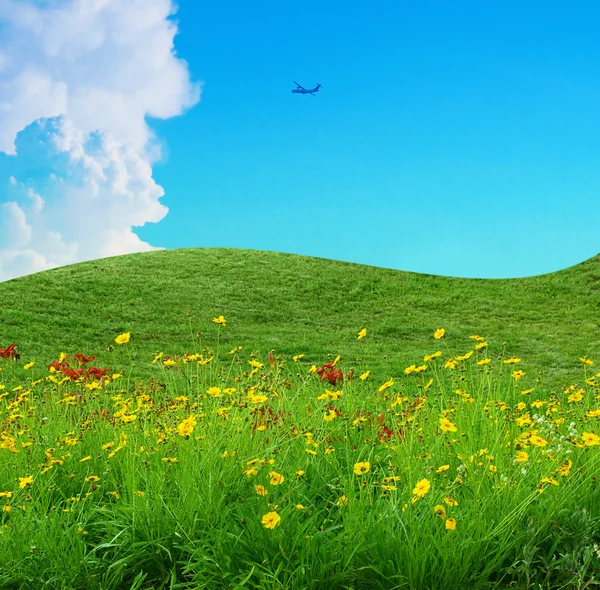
(549,480)
(522,456)
(297,357)
(450,501)
(387,384)
(440,511)
(260,490)
(538,441)
(590,439)
(187,426)
(442,468)
(6,494)
(251,471)
(446,425)
(362,333)
(258,399)
(388,488)
(439,333)
(365,375)
(450,524)
(92,478)
(300,473)
(85,459)
(300,506)
(123,338)
(422,488)
(25,481)
(342,500)
(271,520)
(390,478)
(276,478)
(220,320)
(330,416)
(565,468)
(363,467)
(327,371)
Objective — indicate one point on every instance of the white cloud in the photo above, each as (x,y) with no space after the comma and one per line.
(89,71)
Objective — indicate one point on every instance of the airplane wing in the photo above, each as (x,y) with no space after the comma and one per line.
(296,83)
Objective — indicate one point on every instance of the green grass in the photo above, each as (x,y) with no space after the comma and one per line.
(198,522)
(296,304)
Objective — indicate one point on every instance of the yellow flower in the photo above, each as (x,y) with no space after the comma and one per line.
(450,501)
(450,524)
(342,500)
(123,338)
(360,468)
(270,520)
(362,333)
(330,416)
(365,375)
(590,439)
(260,490)
(300,473)
(220,320)
(522,456)
(250,471)
(538,441)
(549,480)
(92,478)
(440,511)
(446,425)
(299,506)
(439,333)
(276,478)
(258,399)
(391,478)
(187,426)
(6,494)
(85,459)
(25,481)
(442,468)
(386,385)
(422,488)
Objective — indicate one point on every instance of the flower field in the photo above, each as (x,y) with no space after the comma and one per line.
(237,471)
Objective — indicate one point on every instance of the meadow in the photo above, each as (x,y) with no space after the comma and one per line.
(220,418)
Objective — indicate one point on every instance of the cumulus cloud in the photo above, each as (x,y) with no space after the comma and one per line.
(77,79)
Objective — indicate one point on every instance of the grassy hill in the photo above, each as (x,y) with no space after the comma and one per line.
(300,305)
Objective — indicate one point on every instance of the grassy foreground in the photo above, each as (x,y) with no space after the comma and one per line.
(393,439)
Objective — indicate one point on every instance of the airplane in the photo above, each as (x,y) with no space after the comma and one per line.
(302,90)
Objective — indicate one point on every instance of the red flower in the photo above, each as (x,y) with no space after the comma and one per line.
(9,351)
(331,374)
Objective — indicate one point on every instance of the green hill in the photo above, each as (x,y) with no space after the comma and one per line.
(300,305)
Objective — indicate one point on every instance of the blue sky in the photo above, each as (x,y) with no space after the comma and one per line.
(459,140)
